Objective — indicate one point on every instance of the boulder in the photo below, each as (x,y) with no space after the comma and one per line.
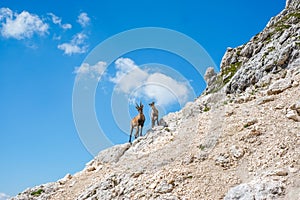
(112,154)
(236,151)
(292,114)
(164,187)
(279,86)
(209,75)
(256,189)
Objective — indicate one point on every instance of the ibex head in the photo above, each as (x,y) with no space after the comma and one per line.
(139,107)
(151,104)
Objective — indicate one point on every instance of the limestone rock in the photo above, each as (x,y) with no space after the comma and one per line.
(292,114)
(264,100)
(250,122)
(236,151)
(284,56)
(112,154)
(279,86)
(210,76)
(164,187)
(266,53)
(256,189)
(292,4)
(163,123)
(65,179)
(90,168)
(223,160)
(296,107)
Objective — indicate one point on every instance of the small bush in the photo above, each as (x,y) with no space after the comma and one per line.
(206,109)
(37,193)
(201,147)
(230,71)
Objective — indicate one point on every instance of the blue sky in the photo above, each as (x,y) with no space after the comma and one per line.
(42,46)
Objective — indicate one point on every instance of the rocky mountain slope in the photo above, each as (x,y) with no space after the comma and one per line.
(239,140)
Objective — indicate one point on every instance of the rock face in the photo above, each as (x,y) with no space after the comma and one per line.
(292,4)
(268,52)
(239,140)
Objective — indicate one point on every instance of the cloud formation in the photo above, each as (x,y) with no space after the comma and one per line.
(137,83)
(57,20)
(128,75)
(21,25)
(83,19)
(4,196)
(165,90)
(25,25)
(76,46)
(91,71)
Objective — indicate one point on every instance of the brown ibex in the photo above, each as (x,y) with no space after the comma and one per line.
(137,122)
(154,114)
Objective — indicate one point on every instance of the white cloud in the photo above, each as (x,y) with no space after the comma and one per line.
(83,19)
(57,20)
(5,13)
(4,196)
(66,26)
(93,72)
(20,26)
(75,46)
(56,37)
(136,83)
(128,75)
(165,90)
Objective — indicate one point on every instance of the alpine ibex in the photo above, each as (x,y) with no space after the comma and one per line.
(137,122)
(154,114)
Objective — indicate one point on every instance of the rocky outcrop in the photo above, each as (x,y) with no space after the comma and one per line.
(292,4)
(293,112)
(275,48)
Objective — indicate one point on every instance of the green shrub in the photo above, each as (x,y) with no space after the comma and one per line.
(206,109)
(37,193)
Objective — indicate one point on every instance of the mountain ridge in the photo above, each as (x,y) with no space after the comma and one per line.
(239,140)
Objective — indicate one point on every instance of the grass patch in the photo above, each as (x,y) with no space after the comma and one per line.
(253,92)
(206,109)
(271,49)
(246,125)
(282,27)
(167,129)
(256,37)
(218,84)
(201,147)
(37,193)
(287,17)
(228,72)
(268,39)
(265,56)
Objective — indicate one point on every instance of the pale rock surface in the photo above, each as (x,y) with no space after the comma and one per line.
(256,190)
